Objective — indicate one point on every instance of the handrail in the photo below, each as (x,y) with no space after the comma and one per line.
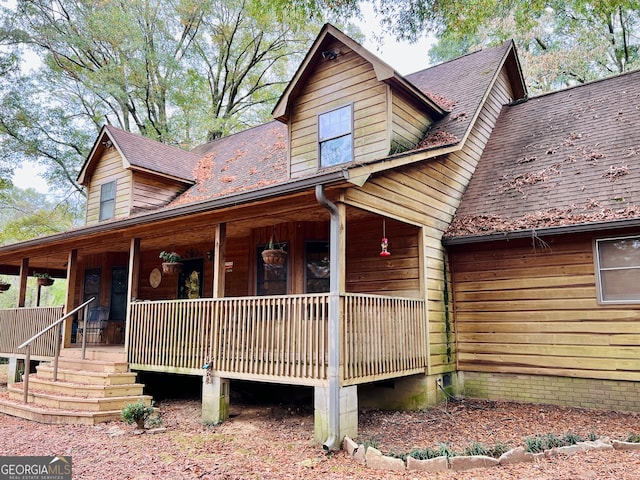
(27,344)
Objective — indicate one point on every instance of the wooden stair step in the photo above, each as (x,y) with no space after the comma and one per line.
(45,371)
(113,354)
(93,365)
(89,404)
(38,413)
(84,389)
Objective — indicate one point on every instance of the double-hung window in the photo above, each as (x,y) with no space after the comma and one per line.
(618,269)
(107,200)
(335,136)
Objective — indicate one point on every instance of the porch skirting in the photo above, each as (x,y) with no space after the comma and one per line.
(565,391)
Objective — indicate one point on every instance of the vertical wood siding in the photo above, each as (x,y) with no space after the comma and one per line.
(526,308)
(109,169)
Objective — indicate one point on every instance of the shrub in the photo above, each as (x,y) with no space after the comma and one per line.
(137,413)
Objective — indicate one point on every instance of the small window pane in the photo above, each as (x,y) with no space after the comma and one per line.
(624,252)
(107,200)
(620,285)
(335,152)
(335,123)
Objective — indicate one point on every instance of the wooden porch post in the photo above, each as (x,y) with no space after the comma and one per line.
(219,258)
(215,390)
(24,274)
(72,275)
(132,285)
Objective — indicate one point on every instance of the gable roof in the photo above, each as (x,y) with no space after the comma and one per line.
(462,85)
(384,73)
(142,154)
(566,158)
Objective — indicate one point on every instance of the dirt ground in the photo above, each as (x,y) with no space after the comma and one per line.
(275,441)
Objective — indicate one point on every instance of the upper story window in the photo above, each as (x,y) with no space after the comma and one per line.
(618,269)
(107,200)
(335,136)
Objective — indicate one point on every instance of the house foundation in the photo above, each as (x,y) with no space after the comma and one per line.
(348,412)
(15,368)
(215,399)
(413,392)
(565,391)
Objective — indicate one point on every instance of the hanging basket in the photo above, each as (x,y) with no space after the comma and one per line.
(45,282)
(274,256)
(4,287)
(171,268)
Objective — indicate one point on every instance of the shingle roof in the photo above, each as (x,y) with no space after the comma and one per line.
(564,158)
(147,154)
(248,160)
(460,85)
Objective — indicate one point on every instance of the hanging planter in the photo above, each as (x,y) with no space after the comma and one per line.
(4,286)
(44,280)
(172,263)
(274,253)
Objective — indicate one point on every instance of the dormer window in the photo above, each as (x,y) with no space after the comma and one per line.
(335,136)
(107,200)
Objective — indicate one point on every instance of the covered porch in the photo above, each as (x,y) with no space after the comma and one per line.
(334,312)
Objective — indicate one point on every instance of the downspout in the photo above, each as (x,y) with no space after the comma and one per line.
(334,440)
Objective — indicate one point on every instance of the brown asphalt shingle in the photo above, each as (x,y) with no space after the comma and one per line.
(560,159)
(147,154)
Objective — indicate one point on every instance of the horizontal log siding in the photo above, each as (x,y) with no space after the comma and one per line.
(527,308)
(384,337)
(409,124)
(347,79)
(427,194)
(150,192)
(20,324)
(108,169)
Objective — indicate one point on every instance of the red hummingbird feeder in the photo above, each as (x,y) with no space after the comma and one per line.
(384,243)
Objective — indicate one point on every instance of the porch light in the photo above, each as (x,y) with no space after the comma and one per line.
(384,243)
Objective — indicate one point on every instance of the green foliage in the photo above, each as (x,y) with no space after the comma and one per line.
(633,438)
(170,257)
(137,413)
(592,436)
(425,453)
(548,441)
(494,451)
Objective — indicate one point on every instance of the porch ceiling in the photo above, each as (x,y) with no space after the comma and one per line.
(53,254)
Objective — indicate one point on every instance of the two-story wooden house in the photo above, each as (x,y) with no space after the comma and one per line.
(355,183)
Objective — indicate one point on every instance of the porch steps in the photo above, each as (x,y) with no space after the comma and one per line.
(88,391)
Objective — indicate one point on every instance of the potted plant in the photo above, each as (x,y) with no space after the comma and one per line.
(4,286)
(274,253)
(44,279)
(171,262)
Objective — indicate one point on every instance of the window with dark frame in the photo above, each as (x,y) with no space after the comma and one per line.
(107,200)
(317,276)
(271,279)
(335,136)
(618,269)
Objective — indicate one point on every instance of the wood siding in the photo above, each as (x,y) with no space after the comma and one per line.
(426,195)
(409,124)
(530,307)
(349,79)
(109,169)
(150,192)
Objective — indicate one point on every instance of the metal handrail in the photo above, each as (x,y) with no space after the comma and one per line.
(57,324)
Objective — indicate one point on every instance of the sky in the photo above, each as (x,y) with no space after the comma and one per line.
(404,57)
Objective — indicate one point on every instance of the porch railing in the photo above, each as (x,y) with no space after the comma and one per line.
(279,338)
(384,337)
(16,324)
